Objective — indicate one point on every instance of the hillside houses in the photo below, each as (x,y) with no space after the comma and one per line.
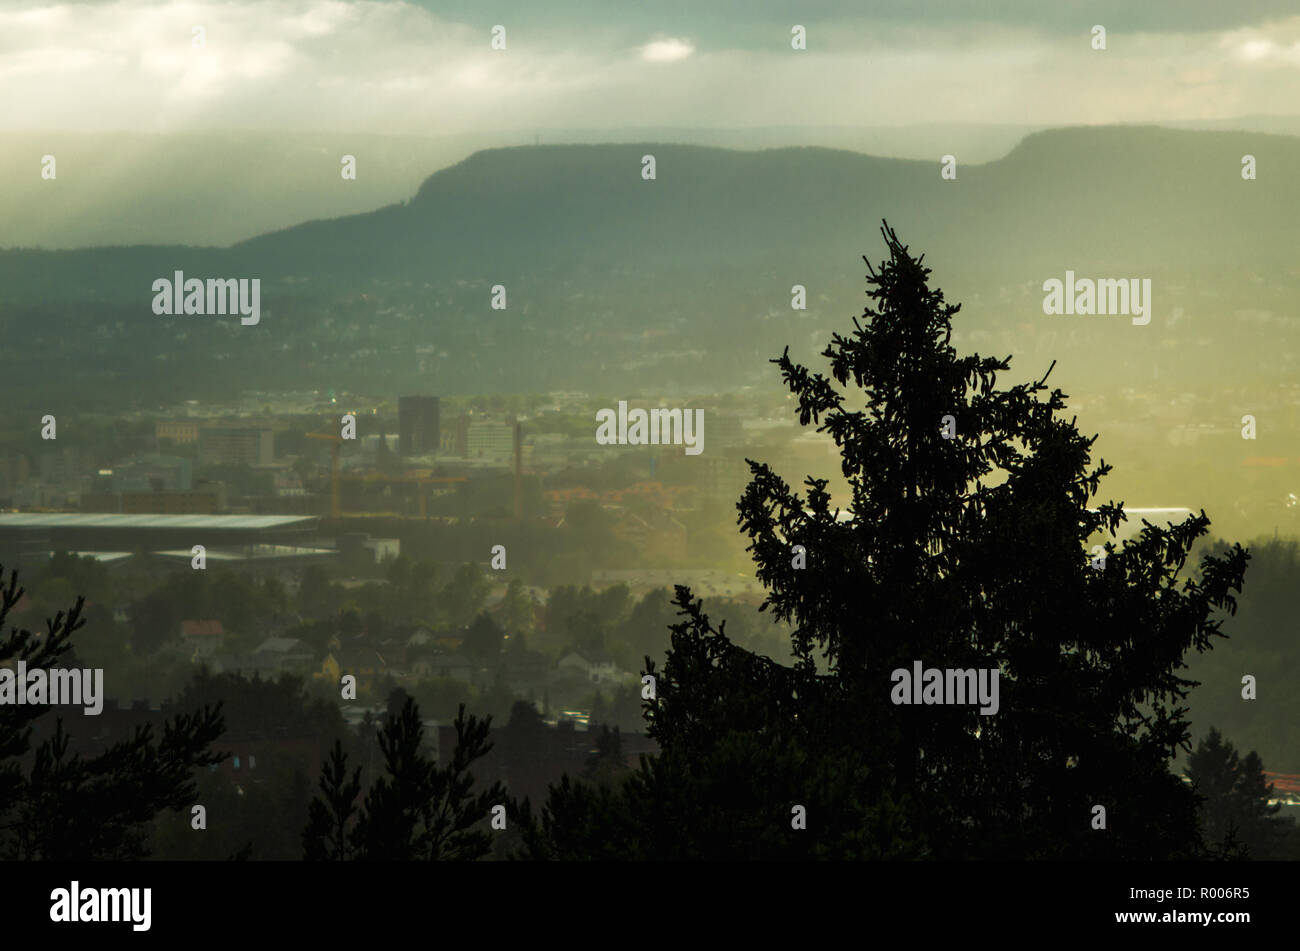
(595,667)
(411,656)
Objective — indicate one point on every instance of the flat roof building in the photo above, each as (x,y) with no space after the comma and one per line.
(224,444)
(24,533)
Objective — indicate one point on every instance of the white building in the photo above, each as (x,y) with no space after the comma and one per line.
(489,440)
(595,667)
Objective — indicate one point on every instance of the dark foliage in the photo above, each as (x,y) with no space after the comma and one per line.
(1235,812)
(968,552)
(416,810)
(70,808)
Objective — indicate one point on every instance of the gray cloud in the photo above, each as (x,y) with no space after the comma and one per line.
(416,68)
(727,22)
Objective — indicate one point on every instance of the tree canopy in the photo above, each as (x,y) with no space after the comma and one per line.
(1237,817)
(963,546)
(416,810)
(66,807)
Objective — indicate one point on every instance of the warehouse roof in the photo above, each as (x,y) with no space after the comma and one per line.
(188,522)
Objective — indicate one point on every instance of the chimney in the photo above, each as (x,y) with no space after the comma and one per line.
(519,481)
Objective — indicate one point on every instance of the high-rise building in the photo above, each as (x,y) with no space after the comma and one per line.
(417,425)
(235,444)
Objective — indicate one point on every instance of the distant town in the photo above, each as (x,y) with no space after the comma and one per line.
(484,551)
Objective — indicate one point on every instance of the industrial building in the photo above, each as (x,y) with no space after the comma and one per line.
(221,444)
(27,537)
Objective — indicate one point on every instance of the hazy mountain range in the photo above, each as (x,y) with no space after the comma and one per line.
(593,257)
(221,188)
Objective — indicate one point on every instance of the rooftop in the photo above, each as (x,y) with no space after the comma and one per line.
(190,522)
(105,557)
(249,553)
(207,628)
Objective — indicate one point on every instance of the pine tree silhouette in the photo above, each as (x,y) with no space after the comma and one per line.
(416,810)
(1235,812)
(329,832)
(67,808)
(963,545)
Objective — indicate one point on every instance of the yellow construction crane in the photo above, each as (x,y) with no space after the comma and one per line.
(335,508)
(414,478)
(422,481)
(336,478)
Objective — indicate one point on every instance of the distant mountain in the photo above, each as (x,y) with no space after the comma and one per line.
(589,251)
(218,188)
(1134,198)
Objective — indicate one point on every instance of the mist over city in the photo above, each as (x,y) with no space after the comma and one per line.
(682,433)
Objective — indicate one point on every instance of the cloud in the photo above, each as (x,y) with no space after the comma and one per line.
(1277,46)
(393,66)
(666,51)
(756,24)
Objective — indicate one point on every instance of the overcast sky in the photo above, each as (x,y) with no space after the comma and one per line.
(427,67)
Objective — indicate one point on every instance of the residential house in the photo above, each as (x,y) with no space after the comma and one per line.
(524,669)
(453,666)
(364,663)
(201,640)
(277,655)
(330,672)
(595,667)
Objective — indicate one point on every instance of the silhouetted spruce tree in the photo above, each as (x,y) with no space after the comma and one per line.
(965,552)
(328,836)
(416,810)
(605,763)
(70,808)
(483,640)
(396,701)
(1235,810)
